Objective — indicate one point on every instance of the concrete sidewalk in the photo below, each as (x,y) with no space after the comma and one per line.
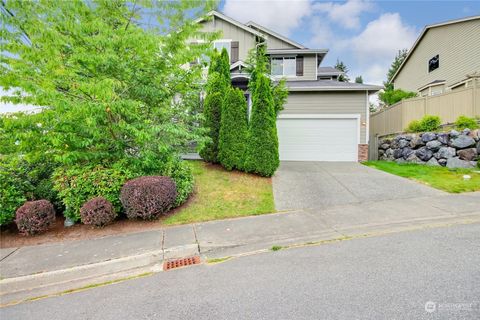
(28,272)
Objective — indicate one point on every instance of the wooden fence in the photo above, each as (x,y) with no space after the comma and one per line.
(448,106)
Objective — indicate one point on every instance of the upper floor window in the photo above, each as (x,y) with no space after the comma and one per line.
(433,63)
(220,44)
(285,66)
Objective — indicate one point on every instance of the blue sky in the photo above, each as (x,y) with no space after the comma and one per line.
(364,34)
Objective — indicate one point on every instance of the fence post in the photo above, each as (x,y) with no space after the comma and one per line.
(476,103)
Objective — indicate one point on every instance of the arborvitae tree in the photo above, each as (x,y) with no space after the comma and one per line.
(217,84)
(233,131)
(262,148)
(223,66)
(212,111)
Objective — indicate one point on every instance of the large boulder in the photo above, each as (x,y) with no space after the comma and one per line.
(462,142)
(397,153)
(412,158)
(443,138)
(475,134)
(434,145)
(404,137)
(406,152)
(433,162)
(384,146)
(416,142)
(445,153)
(429,136)
(456,162)
(454,134)
(402,143)
(469,154)
(424,153)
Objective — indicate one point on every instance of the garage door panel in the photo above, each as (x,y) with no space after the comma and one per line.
(318,139)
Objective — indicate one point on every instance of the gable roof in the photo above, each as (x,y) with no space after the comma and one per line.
(276,35)
(424,31)
(232,21)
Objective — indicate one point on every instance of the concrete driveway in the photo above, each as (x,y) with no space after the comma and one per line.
(317,185)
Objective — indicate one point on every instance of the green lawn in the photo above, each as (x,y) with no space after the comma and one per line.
(221,194)
(450,180)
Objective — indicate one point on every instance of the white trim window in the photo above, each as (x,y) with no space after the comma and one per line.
(284,66)
(223,43)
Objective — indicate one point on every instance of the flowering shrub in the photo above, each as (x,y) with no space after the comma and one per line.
(148,197)
(35,217)
(97,212)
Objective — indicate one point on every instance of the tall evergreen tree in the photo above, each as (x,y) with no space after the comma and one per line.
(217,84)
(262,148)
(359,79)
(233,130)
(397,62)
(342,67)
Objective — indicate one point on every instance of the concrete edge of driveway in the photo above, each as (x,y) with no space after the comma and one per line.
(30,287)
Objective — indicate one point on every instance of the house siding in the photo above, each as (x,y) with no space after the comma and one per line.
(347,102)
(246,40)
(275,43)
(458,47)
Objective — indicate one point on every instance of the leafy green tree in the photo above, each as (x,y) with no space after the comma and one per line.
(359,79)
(262,148)
(233,130)
(342,67)
(110,89)
(397,62)
(390,97)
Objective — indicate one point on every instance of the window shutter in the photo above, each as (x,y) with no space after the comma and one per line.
(234,52)
(299,66)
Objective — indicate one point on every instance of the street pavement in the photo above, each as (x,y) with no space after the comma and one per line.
(393,276)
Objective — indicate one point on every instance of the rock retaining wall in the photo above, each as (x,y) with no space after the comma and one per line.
(452,149)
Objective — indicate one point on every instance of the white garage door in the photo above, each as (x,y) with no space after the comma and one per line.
(317,138)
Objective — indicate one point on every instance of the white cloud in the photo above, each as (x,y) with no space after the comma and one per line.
(323,36)
(280,16)
(346,14)
(375,47)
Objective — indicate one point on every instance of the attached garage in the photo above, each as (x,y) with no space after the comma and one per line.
(324,123)
(318,137)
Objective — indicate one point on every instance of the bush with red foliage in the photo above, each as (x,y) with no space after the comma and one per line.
(35,217)
(97,212)
(148,197)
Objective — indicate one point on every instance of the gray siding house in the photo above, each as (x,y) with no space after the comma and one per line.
(323,119)
(445,57)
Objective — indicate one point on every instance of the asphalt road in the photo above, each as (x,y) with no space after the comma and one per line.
(384,277)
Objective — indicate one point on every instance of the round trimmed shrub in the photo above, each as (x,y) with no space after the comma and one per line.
(35,217)
(148,197)
(97,212)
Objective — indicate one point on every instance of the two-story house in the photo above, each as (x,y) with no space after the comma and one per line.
(323,119)
(446,56)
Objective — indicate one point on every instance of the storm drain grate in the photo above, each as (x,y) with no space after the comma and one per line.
(172,264)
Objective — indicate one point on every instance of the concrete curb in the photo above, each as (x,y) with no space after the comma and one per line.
(49,282)
(22,288)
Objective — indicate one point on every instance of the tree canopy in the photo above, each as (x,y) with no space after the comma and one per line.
(110,89)
(342,67)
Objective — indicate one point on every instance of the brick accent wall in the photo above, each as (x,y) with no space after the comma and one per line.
(362,152)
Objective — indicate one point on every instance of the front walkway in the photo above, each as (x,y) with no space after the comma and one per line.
(319,185)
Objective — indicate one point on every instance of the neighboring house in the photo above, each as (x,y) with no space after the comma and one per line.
(323,119)
(446,56)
